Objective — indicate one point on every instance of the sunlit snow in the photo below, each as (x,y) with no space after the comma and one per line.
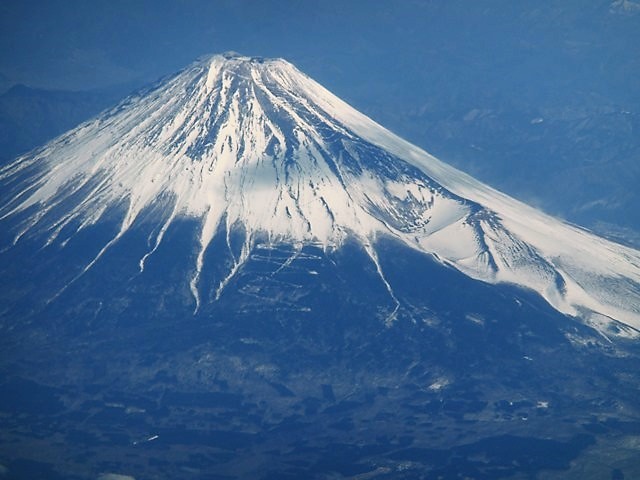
(254,144)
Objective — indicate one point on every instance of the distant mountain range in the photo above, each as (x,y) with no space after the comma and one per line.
(30,117)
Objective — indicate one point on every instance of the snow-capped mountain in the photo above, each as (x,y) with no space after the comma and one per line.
(236,274)
(253,144)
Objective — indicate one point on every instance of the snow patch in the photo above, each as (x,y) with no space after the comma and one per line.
(115,476)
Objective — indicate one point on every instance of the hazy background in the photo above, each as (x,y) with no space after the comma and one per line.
(538,98)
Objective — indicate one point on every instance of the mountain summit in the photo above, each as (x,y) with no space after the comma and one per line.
(252,143)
